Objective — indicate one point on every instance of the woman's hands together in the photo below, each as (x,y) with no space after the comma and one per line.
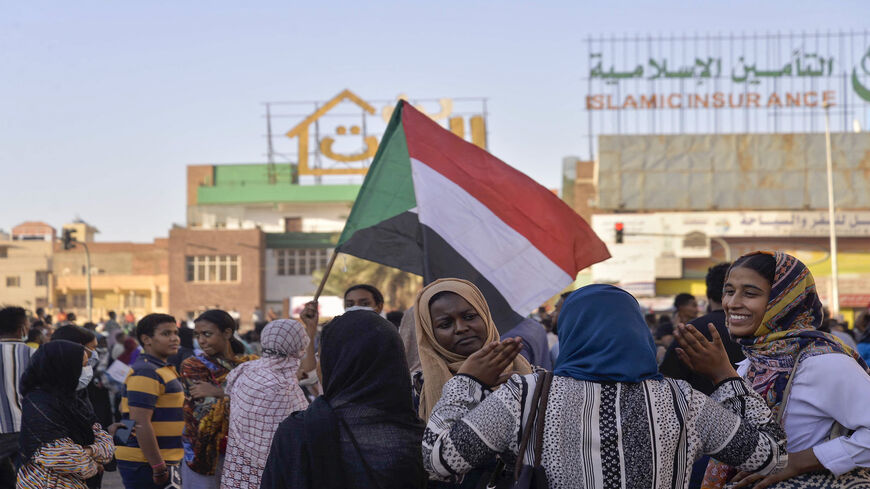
(487,365)
(706,357)
(205,389)
(798,463)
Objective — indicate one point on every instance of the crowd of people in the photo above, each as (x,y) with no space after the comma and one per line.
(762,390)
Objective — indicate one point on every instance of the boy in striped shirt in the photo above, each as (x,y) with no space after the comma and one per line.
(153,398)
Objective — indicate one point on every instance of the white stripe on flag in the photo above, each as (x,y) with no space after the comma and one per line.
(521,272)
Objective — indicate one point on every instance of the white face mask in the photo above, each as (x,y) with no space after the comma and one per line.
(86,377)
(359,308)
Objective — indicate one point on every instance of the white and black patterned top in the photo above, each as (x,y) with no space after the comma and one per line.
(604,435)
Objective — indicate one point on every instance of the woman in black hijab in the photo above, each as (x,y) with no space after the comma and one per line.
(363,432)
(58,427)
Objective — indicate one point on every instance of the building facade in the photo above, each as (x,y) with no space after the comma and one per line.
(300,223)
(685,202)
(26,265)
(216,269)
(125,277)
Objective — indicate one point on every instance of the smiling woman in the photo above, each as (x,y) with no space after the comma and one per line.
(810,380)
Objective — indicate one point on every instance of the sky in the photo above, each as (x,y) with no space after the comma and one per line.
(104,104)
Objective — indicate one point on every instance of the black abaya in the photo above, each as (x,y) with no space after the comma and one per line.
(363,433)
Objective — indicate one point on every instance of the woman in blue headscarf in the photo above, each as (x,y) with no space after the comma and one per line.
(611,419)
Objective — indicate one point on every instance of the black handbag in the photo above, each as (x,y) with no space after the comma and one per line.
(533,476)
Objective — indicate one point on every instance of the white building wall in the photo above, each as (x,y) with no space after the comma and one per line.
(316,218)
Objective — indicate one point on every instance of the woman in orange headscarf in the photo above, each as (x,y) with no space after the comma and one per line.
(452,322)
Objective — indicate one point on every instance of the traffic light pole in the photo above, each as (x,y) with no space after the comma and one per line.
(68,243)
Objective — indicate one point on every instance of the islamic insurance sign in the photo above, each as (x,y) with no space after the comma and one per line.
(727,83)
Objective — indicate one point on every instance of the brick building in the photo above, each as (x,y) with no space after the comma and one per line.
(216,269)
(124,277)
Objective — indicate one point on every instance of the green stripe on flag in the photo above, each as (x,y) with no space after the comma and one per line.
(388,189)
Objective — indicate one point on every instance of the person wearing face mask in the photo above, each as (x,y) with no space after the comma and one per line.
(817,387)
(62,445)
(92,389)
(363,296)
(96,392)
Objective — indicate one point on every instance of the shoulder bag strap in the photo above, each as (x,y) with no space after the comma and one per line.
(542,417)
(837,430)
(530,423)
(787,392)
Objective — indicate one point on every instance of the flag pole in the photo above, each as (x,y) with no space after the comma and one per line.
(325,275)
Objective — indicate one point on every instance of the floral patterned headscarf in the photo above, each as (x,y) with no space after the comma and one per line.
(788,333)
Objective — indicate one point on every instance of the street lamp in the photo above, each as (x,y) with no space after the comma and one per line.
(835,287)
(69,241)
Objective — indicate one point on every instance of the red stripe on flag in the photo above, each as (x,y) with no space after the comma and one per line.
(524,205)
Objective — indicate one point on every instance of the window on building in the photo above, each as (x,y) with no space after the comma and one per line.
(292,224)
(61,301)
(3,252)
(133,300)
(301,261)
(13,281)
(79,301)
(208,268)
(41,278)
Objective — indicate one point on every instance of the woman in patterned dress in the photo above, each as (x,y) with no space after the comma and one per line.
(61,444)
(453,321)
(206,406)
(612,421)
(262,393)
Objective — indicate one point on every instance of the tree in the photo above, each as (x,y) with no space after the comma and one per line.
(399,288)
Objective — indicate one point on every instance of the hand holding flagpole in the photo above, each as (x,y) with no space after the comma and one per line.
(325,275)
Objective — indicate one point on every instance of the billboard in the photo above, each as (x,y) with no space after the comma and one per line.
(732,172)
(755,83)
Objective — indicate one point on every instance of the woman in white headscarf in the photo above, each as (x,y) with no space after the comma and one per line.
(262,393)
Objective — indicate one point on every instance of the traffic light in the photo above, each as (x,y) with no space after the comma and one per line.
(618,229)
(68,238)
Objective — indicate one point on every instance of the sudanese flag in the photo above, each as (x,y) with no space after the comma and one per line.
(435,205)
